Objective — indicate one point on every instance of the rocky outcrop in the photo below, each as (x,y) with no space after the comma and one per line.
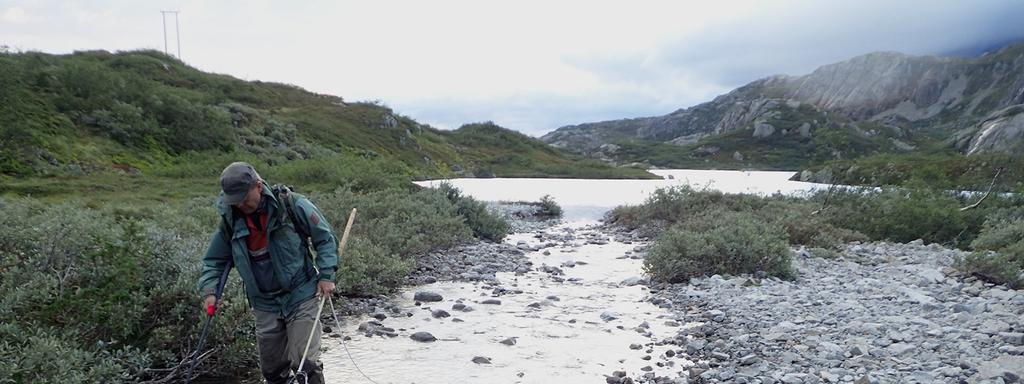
(1004,131)
(957,97)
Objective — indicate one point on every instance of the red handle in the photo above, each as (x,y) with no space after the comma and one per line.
(210,310)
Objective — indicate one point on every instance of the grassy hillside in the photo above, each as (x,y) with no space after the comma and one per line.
(497,151)
(144,111)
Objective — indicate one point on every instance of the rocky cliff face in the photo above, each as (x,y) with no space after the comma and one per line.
(974,105)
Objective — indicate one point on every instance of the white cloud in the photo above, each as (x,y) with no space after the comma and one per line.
(15,15)
(530,65)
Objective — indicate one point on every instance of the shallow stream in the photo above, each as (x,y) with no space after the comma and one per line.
(563,339)
(556,320)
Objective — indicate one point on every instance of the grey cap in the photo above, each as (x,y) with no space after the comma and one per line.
(236,181)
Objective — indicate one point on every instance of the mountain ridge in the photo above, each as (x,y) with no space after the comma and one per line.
(897,102)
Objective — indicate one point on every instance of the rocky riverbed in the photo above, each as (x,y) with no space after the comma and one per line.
(472,262)
(880,313)
(562,303)
(568,304)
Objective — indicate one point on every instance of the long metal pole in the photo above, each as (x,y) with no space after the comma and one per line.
(177,33)
(163,17)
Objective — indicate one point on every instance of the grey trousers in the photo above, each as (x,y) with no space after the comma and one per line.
(281,339)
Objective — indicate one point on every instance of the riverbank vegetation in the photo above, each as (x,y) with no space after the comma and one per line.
(108,169)
(96,290)
(701,232)
(941,169)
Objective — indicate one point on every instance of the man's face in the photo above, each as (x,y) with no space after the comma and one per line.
(252,199)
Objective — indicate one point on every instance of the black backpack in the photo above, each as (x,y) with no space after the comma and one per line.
(287,196)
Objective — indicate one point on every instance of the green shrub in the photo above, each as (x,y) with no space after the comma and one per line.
(41,355)
(109,292)
(369,269)
(1002,229)
(720,242)
(108,295)
(549,207)
(903,215)
(669,206)
(803,226)
(1003,267)
(999,250)
(825,220)
(395,225)
(484,223)
(403,223)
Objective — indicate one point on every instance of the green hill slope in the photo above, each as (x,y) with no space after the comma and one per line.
(146,112)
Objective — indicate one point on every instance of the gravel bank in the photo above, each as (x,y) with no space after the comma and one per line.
(880,313)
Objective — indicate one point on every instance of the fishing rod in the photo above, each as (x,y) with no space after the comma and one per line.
(211,311)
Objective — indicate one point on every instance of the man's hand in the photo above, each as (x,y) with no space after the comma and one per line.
(324,288)
(210,300)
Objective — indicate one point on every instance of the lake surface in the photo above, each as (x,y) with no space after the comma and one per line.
(589,199)
(563,340)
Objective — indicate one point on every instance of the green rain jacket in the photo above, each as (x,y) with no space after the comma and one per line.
(292,264)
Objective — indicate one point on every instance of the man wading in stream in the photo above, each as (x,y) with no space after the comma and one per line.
(264,231)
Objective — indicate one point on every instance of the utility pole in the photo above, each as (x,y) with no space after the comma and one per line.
(163,17)
(177,31)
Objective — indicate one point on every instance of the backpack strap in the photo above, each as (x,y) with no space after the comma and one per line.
(287,198)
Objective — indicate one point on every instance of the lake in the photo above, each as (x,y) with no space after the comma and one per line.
(588,199)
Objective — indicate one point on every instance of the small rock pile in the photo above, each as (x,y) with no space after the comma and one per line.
(472,262)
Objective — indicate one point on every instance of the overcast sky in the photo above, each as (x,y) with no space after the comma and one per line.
(528,65)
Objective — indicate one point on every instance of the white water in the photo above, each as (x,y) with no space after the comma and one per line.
(563,341)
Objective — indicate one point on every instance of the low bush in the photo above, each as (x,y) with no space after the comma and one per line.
(903,215)
(667,206)
(1003,267)
(825,220)
(1002,229)
(999,250)
(549,207)
(720,242)
(795,216)
(484,223)
(107,295)
(368,268)
(391,228)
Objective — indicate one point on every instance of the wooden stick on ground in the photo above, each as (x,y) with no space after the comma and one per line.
(990,186)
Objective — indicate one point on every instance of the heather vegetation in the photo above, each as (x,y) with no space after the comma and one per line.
(144,111)
(946,170)
(708,232)
(99,293)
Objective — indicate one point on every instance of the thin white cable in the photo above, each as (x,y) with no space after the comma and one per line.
(337,323)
